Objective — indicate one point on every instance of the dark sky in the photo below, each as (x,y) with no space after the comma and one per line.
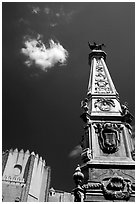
(41,110)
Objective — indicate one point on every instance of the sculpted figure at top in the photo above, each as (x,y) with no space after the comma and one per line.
(95,46)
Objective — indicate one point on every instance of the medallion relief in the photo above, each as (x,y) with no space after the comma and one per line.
(117,188)
(104,104)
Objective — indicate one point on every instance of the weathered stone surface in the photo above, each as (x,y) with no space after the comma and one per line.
(107,146)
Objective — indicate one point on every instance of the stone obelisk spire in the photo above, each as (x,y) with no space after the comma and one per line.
(107,148)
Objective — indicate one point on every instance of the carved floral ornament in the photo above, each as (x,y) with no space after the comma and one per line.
(102,87)
(104,104)
(108,136)
(113,188)
(101,82)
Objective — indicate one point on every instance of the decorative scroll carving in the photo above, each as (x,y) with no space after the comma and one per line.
(85,117)
(117,188)
(104,104)
(126,174)
(124,107)
(108,136)
(86,154)
(84,105)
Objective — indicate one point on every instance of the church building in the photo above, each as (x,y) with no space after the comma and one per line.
(25,177)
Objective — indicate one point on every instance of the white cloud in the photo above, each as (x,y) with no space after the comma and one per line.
(76,152)
(41,56)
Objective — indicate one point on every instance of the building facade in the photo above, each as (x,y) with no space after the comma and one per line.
(107,172)
(25,177)
(60,196)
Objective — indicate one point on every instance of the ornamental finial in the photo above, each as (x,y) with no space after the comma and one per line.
(78,176)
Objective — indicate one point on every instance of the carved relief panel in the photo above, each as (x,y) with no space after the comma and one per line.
(101,83)
(105,106)
(110,142)
(108,136)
